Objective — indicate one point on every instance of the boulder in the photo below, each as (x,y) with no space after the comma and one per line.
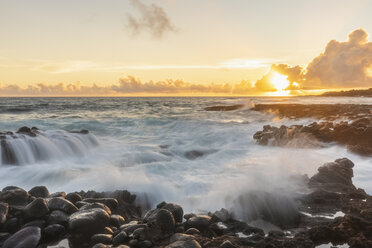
(39,191)
(86,223)
(36,209)
(58,217)
(73,197)
(110,202)
(3,212)
(14,196)
(27,237)
(59,203)
(54,232)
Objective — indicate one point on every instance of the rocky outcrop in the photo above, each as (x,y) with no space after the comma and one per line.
(357,135)
(333,211)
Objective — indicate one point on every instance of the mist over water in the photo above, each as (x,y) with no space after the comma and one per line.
(167,148)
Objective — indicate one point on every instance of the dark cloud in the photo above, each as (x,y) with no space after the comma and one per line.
(150,18)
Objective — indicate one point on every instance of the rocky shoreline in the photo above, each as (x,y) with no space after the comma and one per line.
(333,210)
(345,124)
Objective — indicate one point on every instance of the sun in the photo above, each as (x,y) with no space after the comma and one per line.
(279,81)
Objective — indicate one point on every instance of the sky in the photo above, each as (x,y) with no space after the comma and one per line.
(183,47)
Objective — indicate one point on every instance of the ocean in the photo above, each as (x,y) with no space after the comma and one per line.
(164,149)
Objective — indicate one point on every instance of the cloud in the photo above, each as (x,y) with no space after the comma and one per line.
(150,18)
(128,86)
(342,65)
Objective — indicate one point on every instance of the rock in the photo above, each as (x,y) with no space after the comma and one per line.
(101,238)
(184,244)
(224,107)
(39,192)
(59,203)
(110,202)
(12,224)
(27,237)
(227,244)
(116,220)
(192,231)
(130,228)
(58,194)
(120,238)
(58,217)
(14,196)
(160,219)
(96,205)
(36,209)
(191,155)
(199,222)
(54,232)
(145,244)
(88,222)
(335,176)
(38,223)
(73,197)
(3,212)
(175,209)
(221,215)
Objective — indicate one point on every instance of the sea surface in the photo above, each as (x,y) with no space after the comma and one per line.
(165,148)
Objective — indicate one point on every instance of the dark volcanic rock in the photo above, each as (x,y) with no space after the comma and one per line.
(3,212)
(175,209)
(73,197)
(59,203)
(39,191)
(27,237)
(14,196)
(36,209)
(54,232)
(335,176)
(224,107)
(58,217)
(110,202)
(86,223)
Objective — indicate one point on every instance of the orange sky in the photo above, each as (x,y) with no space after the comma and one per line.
(153,47)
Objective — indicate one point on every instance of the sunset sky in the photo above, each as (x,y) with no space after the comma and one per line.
(183,47)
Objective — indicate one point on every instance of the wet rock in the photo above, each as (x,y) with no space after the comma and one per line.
(58,194)
(192,231)
(27,237)
(39,192)
(227,244)
(224,107)
(3,212)
(184,244)
(199,222)
(36,209)
(59,203)
(221,215)
(73,197)
(335,176)
(88,222)
(160,219)
(54,232)
(14,196)
(194,154)
(101,238)
(58,217)
(96,205)
(130,227)
(37,223)
(120,238)
(175,209)
(12,224)
(110,202)
(116,220)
